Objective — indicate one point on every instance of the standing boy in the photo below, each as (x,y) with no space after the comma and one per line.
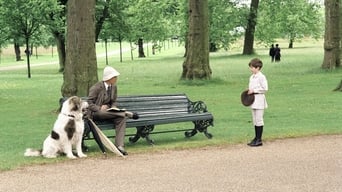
(257,86)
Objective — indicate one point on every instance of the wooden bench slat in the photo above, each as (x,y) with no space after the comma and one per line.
(158,120)
(156,108)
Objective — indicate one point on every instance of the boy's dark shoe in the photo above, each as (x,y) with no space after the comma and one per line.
(256,143)
(253,141)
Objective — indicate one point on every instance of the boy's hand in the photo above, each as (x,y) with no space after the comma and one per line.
(250,91)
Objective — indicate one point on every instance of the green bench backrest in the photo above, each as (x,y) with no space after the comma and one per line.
(148,105)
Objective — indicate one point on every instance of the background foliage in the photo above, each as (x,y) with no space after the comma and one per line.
(156,21)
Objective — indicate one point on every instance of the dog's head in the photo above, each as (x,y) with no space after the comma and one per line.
(74,105)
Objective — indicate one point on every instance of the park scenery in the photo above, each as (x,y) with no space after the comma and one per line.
(208,52)
(300,97)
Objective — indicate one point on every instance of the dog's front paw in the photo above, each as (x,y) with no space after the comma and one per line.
(71,156)
(50,156)
(81,155)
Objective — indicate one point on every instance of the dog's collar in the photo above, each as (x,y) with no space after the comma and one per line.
(69,115)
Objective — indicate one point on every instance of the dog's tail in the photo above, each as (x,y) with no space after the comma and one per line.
(32,152)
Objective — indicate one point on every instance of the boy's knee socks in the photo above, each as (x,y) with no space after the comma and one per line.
(258,131)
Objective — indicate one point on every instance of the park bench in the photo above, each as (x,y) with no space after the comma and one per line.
(157,110)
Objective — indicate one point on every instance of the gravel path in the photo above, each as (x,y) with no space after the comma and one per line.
(312,164)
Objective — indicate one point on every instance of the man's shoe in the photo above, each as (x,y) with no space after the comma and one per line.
(132,115)
(257,143)
(122,150)
(135,115)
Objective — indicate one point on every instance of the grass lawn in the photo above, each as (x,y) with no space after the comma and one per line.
(301,100)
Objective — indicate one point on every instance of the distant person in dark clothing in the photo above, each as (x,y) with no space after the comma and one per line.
(272,52)
(277,53)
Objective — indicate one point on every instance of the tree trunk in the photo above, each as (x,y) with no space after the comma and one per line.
(27,53)
(59,34)
(251,23)
(186,47)
(340,27)
(17,52)
(331,35)
(120,43)
(60,41)
(196,64)
(339,87)
(106,48)
(101,19)
(131,48)
(141,47)
(291,44)
(212,47)
(80,71)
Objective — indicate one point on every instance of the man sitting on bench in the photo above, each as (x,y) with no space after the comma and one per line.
(102,96)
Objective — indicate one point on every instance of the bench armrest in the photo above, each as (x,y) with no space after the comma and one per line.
(197,107)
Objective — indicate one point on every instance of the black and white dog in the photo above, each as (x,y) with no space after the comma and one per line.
(66,133)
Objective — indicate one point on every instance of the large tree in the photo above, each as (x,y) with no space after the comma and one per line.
(339,87)
(102,13)
(147,22)
(24,20)
(332,35)
(115,27)
(56,25)
(289,19)
(250,29)
(80,67)
(196,64)
(226,19)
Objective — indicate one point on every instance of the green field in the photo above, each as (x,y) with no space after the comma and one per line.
(300,97)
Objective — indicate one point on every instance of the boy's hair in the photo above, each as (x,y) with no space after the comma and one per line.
(256,63)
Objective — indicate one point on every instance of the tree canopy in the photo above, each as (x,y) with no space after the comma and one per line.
(23,20)
(155,21)
(289,19)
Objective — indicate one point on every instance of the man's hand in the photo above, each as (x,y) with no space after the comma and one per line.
(104,107)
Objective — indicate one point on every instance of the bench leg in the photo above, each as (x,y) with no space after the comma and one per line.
(144,132)
(95,136)
(190,133)
(200,126)
(86,135)
(208,135)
